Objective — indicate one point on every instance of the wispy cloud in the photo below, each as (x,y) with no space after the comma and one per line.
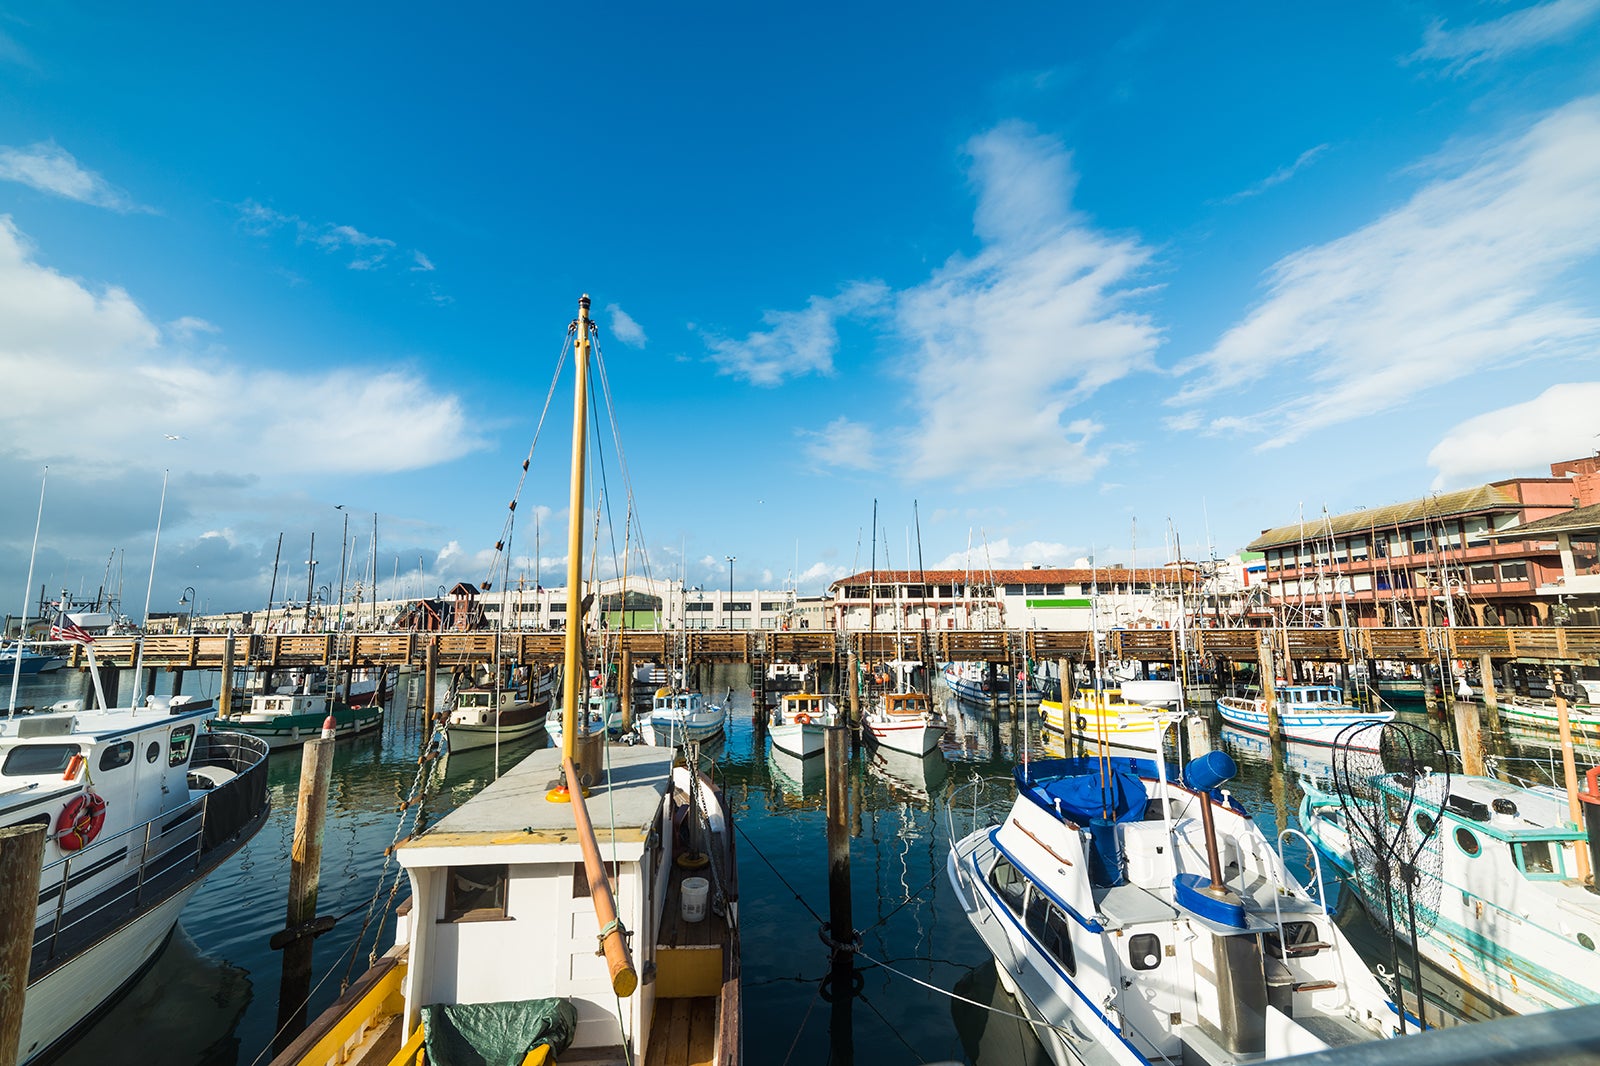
(51,169)
(1279,176)
(185,328)
(797,342)
(1463,277)
(1005,344)
(365,251)
(1563,422)
(842,444)
(1547,23)
(58,336)
(624,328)
(999,554)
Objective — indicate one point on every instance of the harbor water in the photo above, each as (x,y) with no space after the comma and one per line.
(925,987)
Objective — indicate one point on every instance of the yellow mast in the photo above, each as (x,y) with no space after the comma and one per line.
(575,676)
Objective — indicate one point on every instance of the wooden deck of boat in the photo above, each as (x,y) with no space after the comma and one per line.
(684,1032)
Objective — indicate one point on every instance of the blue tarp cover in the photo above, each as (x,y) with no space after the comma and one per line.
(1079,797)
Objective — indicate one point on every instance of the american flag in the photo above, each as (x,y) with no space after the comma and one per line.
(69,630)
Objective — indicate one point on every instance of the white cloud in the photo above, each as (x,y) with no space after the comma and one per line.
(1000,555)
(52,169)
(185,328)
(1552,22)
(624,328)
(423,263)
(1563,422)
(797,342)
(60,338)
(1004,344)
(842,443)
(1463,277)
(1279,176)
(366,251)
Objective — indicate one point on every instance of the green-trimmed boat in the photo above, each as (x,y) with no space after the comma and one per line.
(289,719)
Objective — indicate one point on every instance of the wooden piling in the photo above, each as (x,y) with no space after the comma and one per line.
(1569,766)
(854,671)
(430,672)
(1468,737)
(625,691)
(305,872)
(21,856)
(841,925)
(225,687)
(1491,697)
(1269,693)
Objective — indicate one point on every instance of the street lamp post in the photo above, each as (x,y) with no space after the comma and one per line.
(728,609)
(188,598)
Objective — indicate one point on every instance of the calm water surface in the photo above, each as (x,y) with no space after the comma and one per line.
(212,996)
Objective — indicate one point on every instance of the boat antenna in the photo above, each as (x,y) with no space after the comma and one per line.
(138,659)
(872,589)
(272,590)
(27,592)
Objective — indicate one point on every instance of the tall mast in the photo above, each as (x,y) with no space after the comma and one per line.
(574,680)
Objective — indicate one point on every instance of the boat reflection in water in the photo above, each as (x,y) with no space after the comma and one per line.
(796,782)
(910,778)
(188,1005)
(988,1026)
(1306,760)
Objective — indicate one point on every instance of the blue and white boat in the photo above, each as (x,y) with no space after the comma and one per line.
(1314,714)
(16,657)
(1139,919)
(678,717)
(1512,922)
(969,681)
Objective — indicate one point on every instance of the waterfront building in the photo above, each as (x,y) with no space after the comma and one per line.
(1487,555)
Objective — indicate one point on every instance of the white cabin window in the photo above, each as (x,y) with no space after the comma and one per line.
(1009,883)
(120,754)
(1538,859)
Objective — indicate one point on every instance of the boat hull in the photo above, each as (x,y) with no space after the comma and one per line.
(909,738)
(293,730)
(801,740)
(1317,728)
(472,737)
(665,731)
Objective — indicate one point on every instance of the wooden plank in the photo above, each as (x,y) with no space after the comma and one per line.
(702,1030)
(1145,645)
(1237,645)
(300,648)
(459,649)
(542,648)
(974,645)
(384,649)
(803,645)
(645,645)
(1395,644)
(1305,644)
(1054,644)
(719,647)
(1472,641)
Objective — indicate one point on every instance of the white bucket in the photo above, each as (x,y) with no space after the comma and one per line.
(695,890)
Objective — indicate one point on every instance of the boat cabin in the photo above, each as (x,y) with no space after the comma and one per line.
(284,703)
(1310,695)
(802,707)
(906,703)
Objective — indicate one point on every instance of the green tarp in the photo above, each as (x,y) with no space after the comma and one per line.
(496,1034)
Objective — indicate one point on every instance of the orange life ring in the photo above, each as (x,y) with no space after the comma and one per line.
(80,821)
(802,718)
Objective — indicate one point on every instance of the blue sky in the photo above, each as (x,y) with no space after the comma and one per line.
(1058,272)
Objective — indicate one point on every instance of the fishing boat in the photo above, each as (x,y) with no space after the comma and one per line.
(1507,917)
(16,657)
(799,723)
(1313,714)
(1543,713)
(905,722)
(140,806)
(531,922)
(970,681)
(679,717)
(288,720)
(603,714)
(484,716)
(1140,919)
(1135,716)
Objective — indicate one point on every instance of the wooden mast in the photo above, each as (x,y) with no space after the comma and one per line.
(575,683)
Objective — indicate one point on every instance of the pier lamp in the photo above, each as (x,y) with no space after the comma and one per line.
(729,609)
(188,598)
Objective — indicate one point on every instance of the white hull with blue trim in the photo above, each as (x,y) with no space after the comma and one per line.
(1142,920)
(1513,922)
(1312,714)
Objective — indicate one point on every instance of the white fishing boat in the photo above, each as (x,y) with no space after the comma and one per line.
(970,681)
(1141,920)
(1135,716)
(483,717)
(1510,919)
(603,714)
(678,717)
(140,806)
(799,723)
(1314,714)
(288,720)
(532,922)
(906,722)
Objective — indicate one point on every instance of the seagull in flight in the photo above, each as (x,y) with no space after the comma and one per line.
(172,436)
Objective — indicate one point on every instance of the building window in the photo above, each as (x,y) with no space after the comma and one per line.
(1014,590)
(699,605)
(1421,541)
(1514,571)
(771,605)
(737,605)
(1481,573)
(1358,549)
(1477,530)
(475,893)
